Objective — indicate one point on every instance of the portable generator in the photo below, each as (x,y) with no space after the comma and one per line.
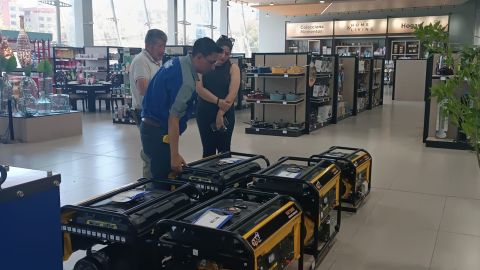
(214,174)
(231,233)
(316,187)
(356,167)
(123,221)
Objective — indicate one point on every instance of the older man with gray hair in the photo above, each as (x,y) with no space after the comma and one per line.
(143,68)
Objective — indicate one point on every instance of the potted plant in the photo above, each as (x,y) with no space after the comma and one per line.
(462,106)
(6,89)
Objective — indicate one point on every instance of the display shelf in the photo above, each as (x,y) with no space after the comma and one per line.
(125,121)
(121,96)
(324,75)
(295,111)
(447,144)
(91,59)
(320,100)
(317,126)
(274,132)
(405,48)
(275,75)
(275,102)
(363,90)
(344,116)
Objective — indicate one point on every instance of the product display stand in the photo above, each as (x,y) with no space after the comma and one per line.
(363,91)
(438,132)
(409,80)
(322,107)
(376,94)
(348,69)
(64,59)
(280,117)
(406,48)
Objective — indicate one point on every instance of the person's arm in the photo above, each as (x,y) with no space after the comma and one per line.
(141,76)
(177,160)
(234,84)
(142,85)
(208,96)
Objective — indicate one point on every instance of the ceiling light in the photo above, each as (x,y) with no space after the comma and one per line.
(322,2)
(267,15)
(271,4)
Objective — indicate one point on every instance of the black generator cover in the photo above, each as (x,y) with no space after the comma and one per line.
(217,174)
(123,222)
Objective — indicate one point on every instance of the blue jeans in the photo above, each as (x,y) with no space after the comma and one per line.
(157,151)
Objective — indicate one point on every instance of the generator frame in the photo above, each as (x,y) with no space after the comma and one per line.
(310,201)
(241,262)
(218,173)
(349,170)
(132,237)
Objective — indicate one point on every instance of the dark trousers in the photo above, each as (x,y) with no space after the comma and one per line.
(157,151)
(214,141)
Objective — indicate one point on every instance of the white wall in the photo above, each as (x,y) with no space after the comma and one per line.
(271,36)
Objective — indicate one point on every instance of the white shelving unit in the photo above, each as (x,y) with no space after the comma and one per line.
(405,48)
(354,50)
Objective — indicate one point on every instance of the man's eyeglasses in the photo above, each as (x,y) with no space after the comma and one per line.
(212,63)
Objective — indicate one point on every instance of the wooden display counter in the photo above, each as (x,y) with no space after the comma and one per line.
(44,128)
(410,79)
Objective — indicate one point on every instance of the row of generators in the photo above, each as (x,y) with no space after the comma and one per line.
(223,212)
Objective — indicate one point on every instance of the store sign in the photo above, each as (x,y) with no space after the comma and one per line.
(314,29)
(405,25)
(361,27)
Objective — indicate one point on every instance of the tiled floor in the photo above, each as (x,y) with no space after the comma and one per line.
(424,211)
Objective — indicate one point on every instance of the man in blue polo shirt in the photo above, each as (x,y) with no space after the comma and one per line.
(168,104)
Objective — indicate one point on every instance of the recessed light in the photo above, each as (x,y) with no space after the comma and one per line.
(271,4)
(322,2)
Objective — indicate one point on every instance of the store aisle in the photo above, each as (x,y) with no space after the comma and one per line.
(423,213)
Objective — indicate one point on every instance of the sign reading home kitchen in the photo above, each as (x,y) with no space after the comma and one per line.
(314,29)
(405,25)
(361,27)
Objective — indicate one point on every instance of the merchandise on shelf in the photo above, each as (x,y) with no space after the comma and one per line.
(27,104)
(44,104)
(86,56)
(324,113)
(60,103)
(6,94)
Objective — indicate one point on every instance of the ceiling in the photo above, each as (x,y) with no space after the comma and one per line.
(311,7)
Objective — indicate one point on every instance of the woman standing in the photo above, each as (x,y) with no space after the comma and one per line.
(217,91)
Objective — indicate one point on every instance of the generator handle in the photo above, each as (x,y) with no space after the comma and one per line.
(107,195)
(184,188)
(283,160)
(95,211)
(355,150)
(322,157)
(261,208)
(163,226)
(251,158)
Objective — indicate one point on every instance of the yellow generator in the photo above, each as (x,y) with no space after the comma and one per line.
(229,232)
(316,187)
(121,220)
(356,166)
(214,174)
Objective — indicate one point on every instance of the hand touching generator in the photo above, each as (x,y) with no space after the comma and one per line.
(356,166)
(123,221)
(315,187)
(229,232)
(216,173)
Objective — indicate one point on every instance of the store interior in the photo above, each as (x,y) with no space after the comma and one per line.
(342,109)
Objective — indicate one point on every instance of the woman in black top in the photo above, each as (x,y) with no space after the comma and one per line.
(217,91)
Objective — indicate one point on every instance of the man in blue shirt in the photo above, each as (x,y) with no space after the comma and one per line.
(168,104)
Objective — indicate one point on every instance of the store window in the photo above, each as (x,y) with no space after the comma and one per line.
(243,27)
(132,23)
(157,14)
(104,29)
(198,20)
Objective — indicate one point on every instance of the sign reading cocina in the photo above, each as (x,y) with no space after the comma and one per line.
(405,25)
(314,29)
(361,27)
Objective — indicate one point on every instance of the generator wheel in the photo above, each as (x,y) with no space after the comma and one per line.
(88,263)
